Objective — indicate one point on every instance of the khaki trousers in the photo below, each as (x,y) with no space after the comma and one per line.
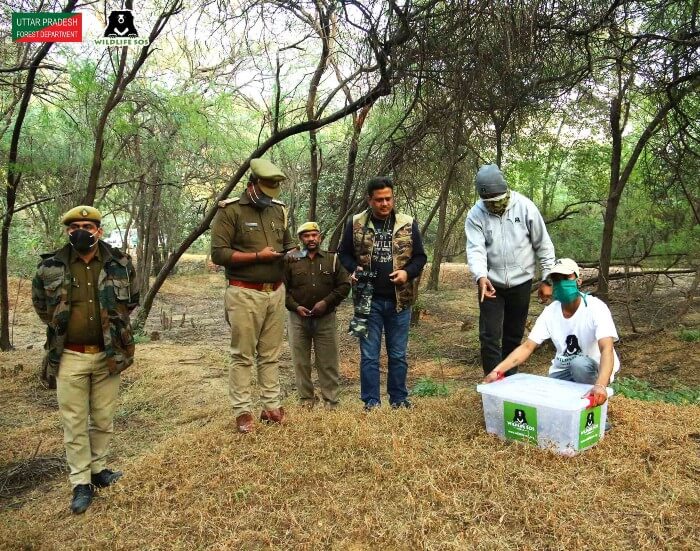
(325,344)
(257,327)
(87,398)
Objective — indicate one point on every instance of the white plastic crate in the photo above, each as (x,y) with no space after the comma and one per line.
(543,411)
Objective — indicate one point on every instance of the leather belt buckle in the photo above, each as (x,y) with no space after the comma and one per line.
(268,287)
(92,349)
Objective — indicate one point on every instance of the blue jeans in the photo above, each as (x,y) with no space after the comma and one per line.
(581,369)
(383,315)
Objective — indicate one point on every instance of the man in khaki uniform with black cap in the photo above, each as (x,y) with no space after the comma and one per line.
(250,238)
(84,292)
(316,284)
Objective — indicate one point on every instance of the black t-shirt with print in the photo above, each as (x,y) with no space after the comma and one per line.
(382,260)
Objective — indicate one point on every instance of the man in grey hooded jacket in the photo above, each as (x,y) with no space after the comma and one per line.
(506,235)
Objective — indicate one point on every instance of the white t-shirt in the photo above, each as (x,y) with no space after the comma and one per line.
(577,335)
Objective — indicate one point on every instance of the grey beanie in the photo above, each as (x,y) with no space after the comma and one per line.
(489,180)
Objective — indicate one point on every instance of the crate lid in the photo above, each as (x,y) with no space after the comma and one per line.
(539,391)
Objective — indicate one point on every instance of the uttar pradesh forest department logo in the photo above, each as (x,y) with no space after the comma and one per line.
(47,27)
(121,30)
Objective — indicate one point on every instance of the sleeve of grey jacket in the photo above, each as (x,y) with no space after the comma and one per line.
(541,242)
(476,247)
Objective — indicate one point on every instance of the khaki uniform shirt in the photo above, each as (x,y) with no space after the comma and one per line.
(239,226)
(85,325)
(309,280)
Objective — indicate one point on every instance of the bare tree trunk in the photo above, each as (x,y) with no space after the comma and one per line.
(433,280)
(619,176)
(314,175)
(116,94)
(14,175)
(149,213)
(349,180)
(323,29)
(430,217)
(499,144)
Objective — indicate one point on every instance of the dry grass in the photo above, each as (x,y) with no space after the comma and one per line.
(423,479)
(429,478)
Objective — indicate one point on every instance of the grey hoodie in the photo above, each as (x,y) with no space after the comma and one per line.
(503,248)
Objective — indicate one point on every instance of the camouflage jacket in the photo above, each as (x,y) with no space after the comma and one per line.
(118,296)
(402,251)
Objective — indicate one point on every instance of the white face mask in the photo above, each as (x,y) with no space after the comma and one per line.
(497,198)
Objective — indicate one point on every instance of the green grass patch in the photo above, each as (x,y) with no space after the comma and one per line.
(425,386)
(141,338)
(689,335)
(631,387)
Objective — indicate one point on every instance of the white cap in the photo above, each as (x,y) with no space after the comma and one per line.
(565,266)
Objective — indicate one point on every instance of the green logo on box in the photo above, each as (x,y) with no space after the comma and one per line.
(589,428)
(520,422)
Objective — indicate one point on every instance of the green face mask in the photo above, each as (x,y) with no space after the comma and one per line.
(565,291)
(498,207)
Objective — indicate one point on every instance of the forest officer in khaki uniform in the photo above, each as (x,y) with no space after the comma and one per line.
(250,238)
(316,284)
(84,293)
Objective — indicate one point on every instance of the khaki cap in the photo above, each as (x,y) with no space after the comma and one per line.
(308,226)
(81,212)
(269,176)
(565,266)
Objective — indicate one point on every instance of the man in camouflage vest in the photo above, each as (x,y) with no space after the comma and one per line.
(316,284)
(249,237)
(84,293)
(385,247)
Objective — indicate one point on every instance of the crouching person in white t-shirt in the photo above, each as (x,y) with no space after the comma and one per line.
(582,330)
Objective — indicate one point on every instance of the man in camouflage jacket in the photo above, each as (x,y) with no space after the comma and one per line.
(383,251)
(84,293)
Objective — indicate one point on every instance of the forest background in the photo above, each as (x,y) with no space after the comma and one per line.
(591,109)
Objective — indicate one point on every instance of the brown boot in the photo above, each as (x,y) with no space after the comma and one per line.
(273,416)
(245,423)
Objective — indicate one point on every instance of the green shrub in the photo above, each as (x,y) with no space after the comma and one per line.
(689,335)
(631,387)
(427,387)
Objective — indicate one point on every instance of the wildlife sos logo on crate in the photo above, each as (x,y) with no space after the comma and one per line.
(121,30)
(589,428)
(520,422)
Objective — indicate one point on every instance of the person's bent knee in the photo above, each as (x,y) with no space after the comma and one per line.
(584,370)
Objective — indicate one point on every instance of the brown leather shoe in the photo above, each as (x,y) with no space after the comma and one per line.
(245,423)
(273,416)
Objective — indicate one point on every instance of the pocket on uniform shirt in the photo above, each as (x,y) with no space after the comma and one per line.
(251,235)
(52,289)
(122,289)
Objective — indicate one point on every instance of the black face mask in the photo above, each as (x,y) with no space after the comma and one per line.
(82,240)
(258,198)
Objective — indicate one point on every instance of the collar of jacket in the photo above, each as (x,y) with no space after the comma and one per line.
(108,254)
(400,219)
